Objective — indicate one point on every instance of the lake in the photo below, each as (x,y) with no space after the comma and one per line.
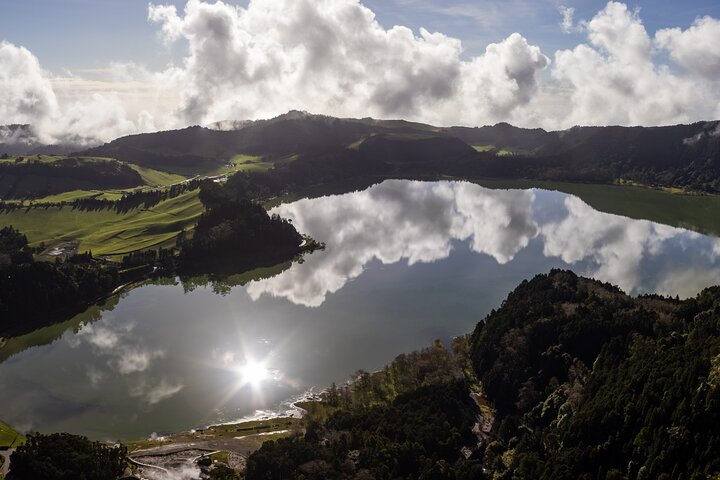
(406,263)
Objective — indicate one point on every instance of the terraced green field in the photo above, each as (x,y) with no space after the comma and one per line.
(29,158)
(78,194)
(106,232)
(9,437)
(483,148)
(150,178)
(244,163)
(156,177)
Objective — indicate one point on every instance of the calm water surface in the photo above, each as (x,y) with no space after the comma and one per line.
(406,263)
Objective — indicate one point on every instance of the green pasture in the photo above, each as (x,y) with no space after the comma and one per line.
(9,437)
(244,163)
(157,178)
(107,232)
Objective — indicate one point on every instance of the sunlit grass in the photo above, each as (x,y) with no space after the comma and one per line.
(156,177)
(9,437)
(483,148)
(107,232)
(247,430)
(79,194)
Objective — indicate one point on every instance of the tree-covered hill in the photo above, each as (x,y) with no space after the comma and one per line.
(577,381)
(591,383)
(39,176)
(682,156)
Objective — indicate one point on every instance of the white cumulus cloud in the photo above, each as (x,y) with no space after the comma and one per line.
(695,48)
(26,95)
(333,57)
(567,18)
(614,79)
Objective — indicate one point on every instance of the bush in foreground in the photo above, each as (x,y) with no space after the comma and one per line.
(62,456)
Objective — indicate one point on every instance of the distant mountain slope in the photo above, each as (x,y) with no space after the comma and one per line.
(16,139)
(199,149)
(683,156)
(22,140)
(37,176)
(504,135)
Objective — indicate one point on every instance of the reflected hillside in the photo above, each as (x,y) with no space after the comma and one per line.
(47,335)
(82,323)
(222,284)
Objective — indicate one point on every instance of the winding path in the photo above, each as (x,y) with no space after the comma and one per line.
(6,464)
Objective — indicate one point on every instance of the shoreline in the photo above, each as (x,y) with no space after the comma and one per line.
(264,423)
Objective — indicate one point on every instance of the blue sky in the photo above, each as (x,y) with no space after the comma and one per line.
(98,69)
(87,34)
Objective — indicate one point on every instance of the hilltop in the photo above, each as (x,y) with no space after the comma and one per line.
(680,156)
(685,157)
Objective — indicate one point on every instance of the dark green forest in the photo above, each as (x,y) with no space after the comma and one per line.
(329,150)
(61,456)
(574,380)
(37,293)
(32,178)
(235,234)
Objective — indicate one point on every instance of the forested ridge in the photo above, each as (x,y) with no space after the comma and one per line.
(591,383)
(32,178)
(37,293)
(236,234)
(328,149)
(576,379)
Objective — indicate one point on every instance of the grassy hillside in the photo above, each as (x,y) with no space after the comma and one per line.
(53,178)
(156,177)
(106,232)
(9,437)
(78,194)
(244,163)
(42,175)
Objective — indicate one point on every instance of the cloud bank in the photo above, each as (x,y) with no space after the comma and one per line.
(333,57)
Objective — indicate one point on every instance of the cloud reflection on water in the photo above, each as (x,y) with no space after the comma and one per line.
(393,221)
(127,354)
(419,221)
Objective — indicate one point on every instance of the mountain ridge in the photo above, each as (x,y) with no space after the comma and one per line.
(680,156)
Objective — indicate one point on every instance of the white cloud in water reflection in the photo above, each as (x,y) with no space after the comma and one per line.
(125,352)
(152,393)
(615,244)
(418,221)
(120,344)
(398,220)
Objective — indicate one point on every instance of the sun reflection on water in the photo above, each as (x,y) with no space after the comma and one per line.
(253,373)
